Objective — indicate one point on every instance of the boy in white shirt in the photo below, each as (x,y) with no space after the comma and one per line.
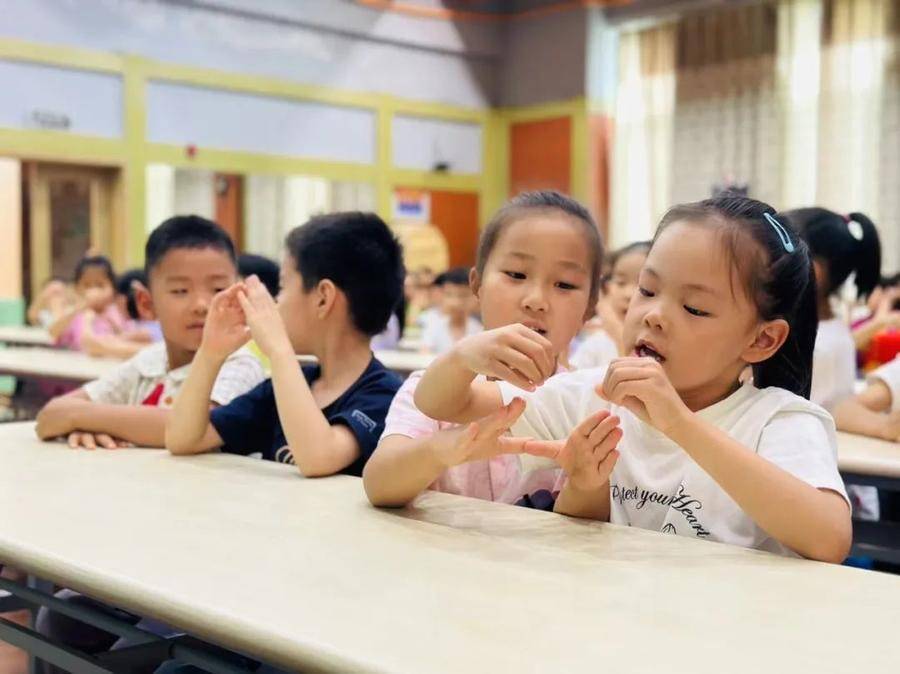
(188,260)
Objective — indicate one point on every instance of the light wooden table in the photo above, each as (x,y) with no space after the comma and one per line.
(876,463)
(307,575)
(24,335)
(43,363)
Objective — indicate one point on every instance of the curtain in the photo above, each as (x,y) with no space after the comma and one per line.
(642,136)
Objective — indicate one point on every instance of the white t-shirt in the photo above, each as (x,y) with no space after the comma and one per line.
(437,337)
(656,485)
(834,364)
(598,350)
(135,381)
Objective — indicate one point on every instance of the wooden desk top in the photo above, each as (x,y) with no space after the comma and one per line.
(307,575)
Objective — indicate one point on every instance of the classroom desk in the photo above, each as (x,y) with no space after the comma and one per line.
(24,335)
(401,362)
(307,575)
(42,363)
(873,462)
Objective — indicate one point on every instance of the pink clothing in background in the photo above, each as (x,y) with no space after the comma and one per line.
(508,478)
(109,322)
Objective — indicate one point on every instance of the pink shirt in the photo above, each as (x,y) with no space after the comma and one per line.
(508,478)
(108,322)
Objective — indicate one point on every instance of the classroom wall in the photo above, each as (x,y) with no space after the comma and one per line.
(544,58)
(335,44)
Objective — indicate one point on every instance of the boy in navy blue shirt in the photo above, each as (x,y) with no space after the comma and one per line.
(341,278)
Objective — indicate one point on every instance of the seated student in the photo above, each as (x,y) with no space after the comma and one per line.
(454,320)
(261,267)
(536,277)
(54,300)
(668,439)
(127,286)
(341,277)
(841,246)
(619,286)
(188,260)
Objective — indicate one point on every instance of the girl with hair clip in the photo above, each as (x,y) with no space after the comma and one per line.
(668,438)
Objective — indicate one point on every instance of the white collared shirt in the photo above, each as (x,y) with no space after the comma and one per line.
(135,380)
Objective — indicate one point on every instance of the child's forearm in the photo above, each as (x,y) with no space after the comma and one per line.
(592,505)
(852,416)
(142,425)
(188,429)
(318,447)
(401,469)
(813,523)
(445,389)
(110,346)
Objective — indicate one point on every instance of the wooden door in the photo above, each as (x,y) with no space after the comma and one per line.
(456,215)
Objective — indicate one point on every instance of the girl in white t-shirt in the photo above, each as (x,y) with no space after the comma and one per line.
(536,277)
(840,246)
(619,285)
(668,438)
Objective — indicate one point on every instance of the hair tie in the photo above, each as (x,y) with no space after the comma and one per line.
(781,231)
(855,229)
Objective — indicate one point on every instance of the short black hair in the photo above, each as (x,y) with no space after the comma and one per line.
(185,231)
(101,261)
(526,203)
(458,276)
(265,269)
(359,254)
(125,286)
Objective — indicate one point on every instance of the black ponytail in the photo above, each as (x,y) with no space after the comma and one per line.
(776,269)
(846,244)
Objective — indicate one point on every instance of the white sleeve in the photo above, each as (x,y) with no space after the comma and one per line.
(598,350)
(557,407)
(804,445)
(890,375)
(115,388)
(239,374)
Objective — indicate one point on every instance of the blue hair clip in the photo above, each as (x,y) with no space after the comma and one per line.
(781,231)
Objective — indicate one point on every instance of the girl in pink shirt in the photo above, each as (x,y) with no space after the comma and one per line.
(536,276)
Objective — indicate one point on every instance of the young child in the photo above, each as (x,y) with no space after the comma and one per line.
(668,439)
(455,320)
(618,288)
(536,277)
(261,267)
(840,246)
(188,260)
(94,311)
(128,284)
(341,277)
(54,300)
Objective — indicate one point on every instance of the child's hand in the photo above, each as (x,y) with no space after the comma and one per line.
(641,386)
(482,439)
(264,319)
(890,429)
(86,440)
(513,353)
(589,454)
(225,330)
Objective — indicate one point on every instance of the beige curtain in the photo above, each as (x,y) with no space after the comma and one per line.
(799,59)
(642,137)
(727,129)
(855,50)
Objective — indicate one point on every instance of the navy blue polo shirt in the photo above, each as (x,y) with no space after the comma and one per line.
(250,423)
